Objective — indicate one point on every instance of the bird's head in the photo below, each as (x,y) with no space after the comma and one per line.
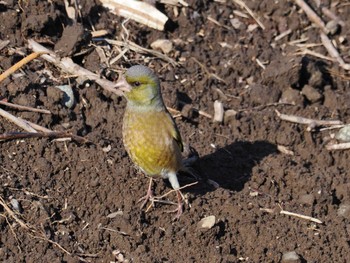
(140,86)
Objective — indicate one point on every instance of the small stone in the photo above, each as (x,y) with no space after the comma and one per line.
(344,211)
(343,134)
(115,214)
(218,111)
(332,27)
(207,222)
(164,45)
(307,199)
(236,23)
(311,94)
(291,257)
(292,96)
(229,115)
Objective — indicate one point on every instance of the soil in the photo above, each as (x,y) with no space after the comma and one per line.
(79,201)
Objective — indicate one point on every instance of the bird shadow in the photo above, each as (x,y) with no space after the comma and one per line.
(230,166)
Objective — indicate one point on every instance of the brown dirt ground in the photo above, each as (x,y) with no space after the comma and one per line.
(69,192)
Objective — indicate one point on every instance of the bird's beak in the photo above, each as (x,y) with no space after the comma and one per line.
(123,85)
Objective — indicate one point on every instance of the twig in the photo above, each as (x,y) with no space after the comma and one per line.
(178,113)
(35,126)
(339,146)
(333,51)
(312,15)
(310,122)
(20,64)
(26,108)
(51,134)
(4,43)
(17,121)
(136,48)
(306,51)
(12,214)
(284,212)
(243,5)
(68,66)
(283,34)
(261,107)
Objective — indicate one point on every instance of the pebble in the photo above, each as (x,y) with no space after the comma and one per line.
(343,134)
(291,257)
(293,96)
(344,211)
(312,94)
(206,222)
(164,45)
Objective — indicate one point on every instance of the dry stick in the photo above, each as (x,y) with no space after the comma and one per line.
(20,64)
(4,43)
(310,122)
(51,134)
(17,121)
(333,51)
(300,216)
(200,112)
(136,48)
(243,5)
(68,66)
(26,108)
(340,146)
(12,214)
(306,51)
(35,126)
(312,15)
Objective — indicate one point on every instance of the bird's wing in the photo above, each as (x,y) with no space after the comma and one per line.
(175,132)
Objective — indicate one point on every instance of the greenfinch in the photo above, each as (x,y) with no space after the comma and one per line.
(150,135)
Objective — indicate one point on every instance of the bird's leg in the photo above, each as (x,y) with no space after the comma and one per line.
(179,208)
(148,196)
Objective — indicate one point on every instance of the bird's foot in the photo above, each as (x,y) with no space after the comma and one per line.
(181,200)
(178,211)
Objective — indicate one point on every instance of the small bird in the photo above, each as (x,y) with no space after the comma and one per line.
(150,135)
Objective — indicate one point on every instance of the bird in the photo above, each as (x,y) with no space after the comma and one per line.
(150,135)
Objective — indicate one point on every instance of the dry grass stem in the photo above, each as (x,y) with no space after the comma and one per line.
(283,34)
(4,43)
(25,108)
(333,51)
(20,64)
(68,66)
(312,15)
(306,51)
(339,146)
(250,12)
(35,134)
(17,121)
(141,12)
(310,122)
(138,49)
(284,212)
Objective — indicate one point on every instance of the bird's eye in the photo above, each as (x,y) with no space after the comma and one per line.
(137,84)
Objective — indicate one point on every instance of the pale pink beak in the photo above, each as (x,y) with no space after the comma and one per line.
(123,85)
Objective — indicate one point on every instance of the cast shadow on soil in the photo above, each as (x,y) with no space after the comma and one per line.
(231,166)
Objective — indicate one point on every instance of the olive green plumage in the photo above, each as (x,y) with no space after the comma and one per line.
(150,135)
